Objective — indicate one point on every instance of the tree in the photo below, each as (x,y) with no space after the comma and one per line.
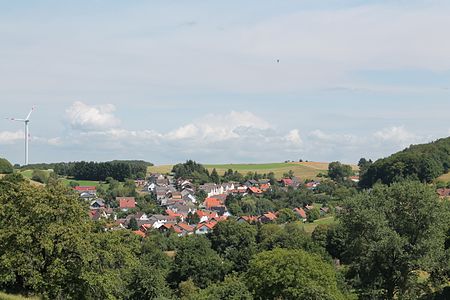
(313,214)
(235,242)
(339,172)
(192,218)
(149,277)
(391,232)
(196,260)
(40,176)
(42,232)
(5,166)
(319,235)
(215,176)
(232,288)
(286,215)
(133,225)
(291,274)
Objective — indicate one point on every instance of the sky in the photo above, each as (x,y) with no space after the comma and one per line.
(222,81)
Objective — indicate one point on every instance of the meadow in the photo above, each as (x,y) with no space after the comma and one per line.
(304,170)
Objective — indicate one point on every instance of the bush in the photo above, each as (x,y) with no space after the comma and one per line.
(5,166)
(40,176)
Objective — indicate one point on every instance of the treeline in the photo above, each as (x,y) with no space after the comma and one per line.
(423,162)
(98,171)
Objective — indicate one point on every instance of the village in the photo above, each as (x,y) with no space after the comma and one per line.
(184,213)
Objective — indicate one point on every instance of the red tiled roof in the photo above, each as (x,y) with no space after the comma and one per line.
(210,225)
(185,227)
(264,186)
(140,233)
(301,212)
(85,188)
(250,218)
(171,213)
(126,202)
(209,214)
(287,181)
(255,190)
(270,215)
(212,202)
(443,192)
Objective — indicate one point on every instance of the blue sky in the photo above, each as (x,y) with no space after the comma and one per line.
(170,80)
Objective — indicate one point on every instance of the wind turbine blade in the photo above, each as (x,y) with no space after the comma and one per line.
(29,114)
(14,119)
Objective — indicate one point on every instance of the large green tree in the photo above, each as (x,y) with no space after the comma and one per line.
(196,260)
(390,233)
(292,274)
(235,242)
(338,171)
(42,234)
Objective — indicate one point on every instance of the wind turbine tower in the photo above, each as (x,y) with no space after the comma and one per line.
(25,121)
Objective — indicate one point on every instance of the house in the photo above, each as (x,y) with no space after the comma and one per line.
(324,210)
(139,233)
(309,207)
(312,185)
(183,229)
(354,178)
(300,212)
(443,193)
(166,227)
(97,203)
(254,191)
(290,182)
(90,189)
(126,203)
(267,217)
(204,228)
(205,215)
(159,220)
(248,219)
(177,195)
(264,187)
(251,182)
(212,202)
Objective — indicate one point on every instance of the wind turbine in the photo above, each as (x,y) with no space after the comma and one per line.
(26,121)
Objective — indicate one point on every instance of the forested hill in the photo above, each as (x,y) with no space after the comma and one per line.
(424,162)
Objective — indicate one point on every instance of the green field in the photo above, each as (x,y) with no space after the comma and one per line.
(304,170)
(309,227)
(444,178)
(4,296)
(28,174)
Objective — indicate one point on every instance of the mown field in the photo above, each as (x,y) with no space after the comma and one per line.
(304,170)
(28,174)
(444,177)
(4,296)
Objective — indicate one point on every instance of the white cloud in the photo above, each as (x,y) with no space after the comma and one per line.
(85,117)
(10,137)
(395,134)
(293,136)
(184,132)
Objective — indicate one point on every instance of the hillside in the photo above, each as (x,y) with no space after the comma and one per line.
(423,162)
(304,170)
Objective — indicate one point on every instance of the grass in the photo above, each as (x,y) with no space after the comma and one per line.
(304,170)
(4,296)
(83,182)
(443,178)
(28,174)
(309,227)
